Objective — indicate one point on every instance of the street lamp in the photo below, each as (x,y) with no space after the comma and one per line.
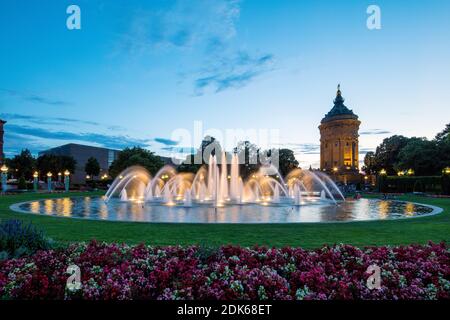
(383,172)
(59,176)
(4,170)
(410,172)
(49,181)
(35,181)
(446,170)
(66,180)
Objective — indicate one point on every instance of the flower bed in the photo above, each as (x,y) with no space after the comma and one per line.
(111,271)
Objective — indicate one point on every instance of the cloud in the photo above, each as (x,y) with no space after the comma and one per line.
(204,28)
(301,148)
(374,132)
(166,142)
(111,141)
(184,24)
(180,150)
(46,120)
(233,72)
(34,98)
(363,150)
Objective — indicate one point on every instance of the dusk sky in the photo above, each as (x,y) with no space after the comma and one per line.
(138,71)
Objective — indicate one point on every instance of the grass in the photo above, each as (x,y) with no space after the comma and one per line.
(419,230)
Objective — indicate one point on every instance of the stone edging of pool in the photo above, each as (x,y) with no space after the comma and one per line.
(436,210)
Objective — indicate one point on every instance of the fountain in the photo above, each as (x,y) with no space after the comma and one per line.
(218,184)
(218,194)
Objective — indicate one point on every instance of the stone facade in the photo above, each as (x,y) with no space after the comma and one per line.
(2,155)
(339,142)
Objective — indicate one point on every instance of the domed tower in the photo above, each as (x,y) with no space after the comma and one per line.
(339,141)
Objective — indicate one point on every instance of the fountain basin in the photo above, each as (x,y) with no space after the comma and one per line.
(310,210)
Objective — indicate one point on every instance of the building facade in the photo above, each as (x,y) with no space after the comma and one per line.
(2,155)
(339,153)
(81,153)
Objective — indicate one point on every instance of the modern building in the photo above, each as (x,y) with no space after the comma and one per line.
(2,155)
(339,142)
(81,153)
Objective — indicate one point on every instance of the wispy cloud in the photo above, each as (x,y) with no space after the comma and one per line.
(374,132)
(233,72)
(34,98)
(111,141)
(167,142)
(45,120)
(204,28)
(183,24)
(301,148)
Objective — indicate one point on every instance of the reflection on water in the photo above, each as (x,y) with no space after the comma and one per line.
(97,208)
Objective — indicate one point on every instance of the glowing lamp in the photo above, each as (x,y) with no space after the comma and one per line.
(4,169)
(35,174)
(67,173)
(49,174)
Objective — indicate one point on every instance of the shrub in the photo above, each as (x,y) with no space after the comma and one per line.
(22,183)
(446,184)
(418,186)
(18,239)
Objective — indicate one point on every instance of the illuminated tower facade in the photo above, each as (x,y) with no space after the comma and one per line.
(339,142)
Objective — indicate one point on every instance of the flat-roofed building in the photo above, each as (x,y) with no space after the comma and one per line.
(81,153)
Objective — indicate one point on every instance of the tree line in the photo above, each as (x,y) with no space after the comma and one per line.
(398,154)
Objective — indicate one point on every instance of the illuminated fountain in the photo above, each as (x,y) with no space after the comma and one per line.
(218,184)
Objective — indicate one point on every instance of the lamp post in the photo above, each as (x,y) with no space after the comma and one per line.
(49,181)
(66,180)
(35,181)
(59,177)
(4,170)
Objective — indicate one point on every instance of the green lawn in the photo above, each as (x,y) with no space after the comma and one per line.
(419,230)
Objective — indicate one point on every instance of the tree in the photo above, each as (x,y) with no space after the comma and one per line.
(287,161)
(54,164)
(444,135)
(443,145)
(136,156)
(420,155)
(370,165)
(92,167)
(387,153)
(193,162)
(248,154)
(23,164)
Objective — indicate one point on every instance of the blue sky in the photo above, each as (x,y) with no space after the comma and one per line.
(138,71)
